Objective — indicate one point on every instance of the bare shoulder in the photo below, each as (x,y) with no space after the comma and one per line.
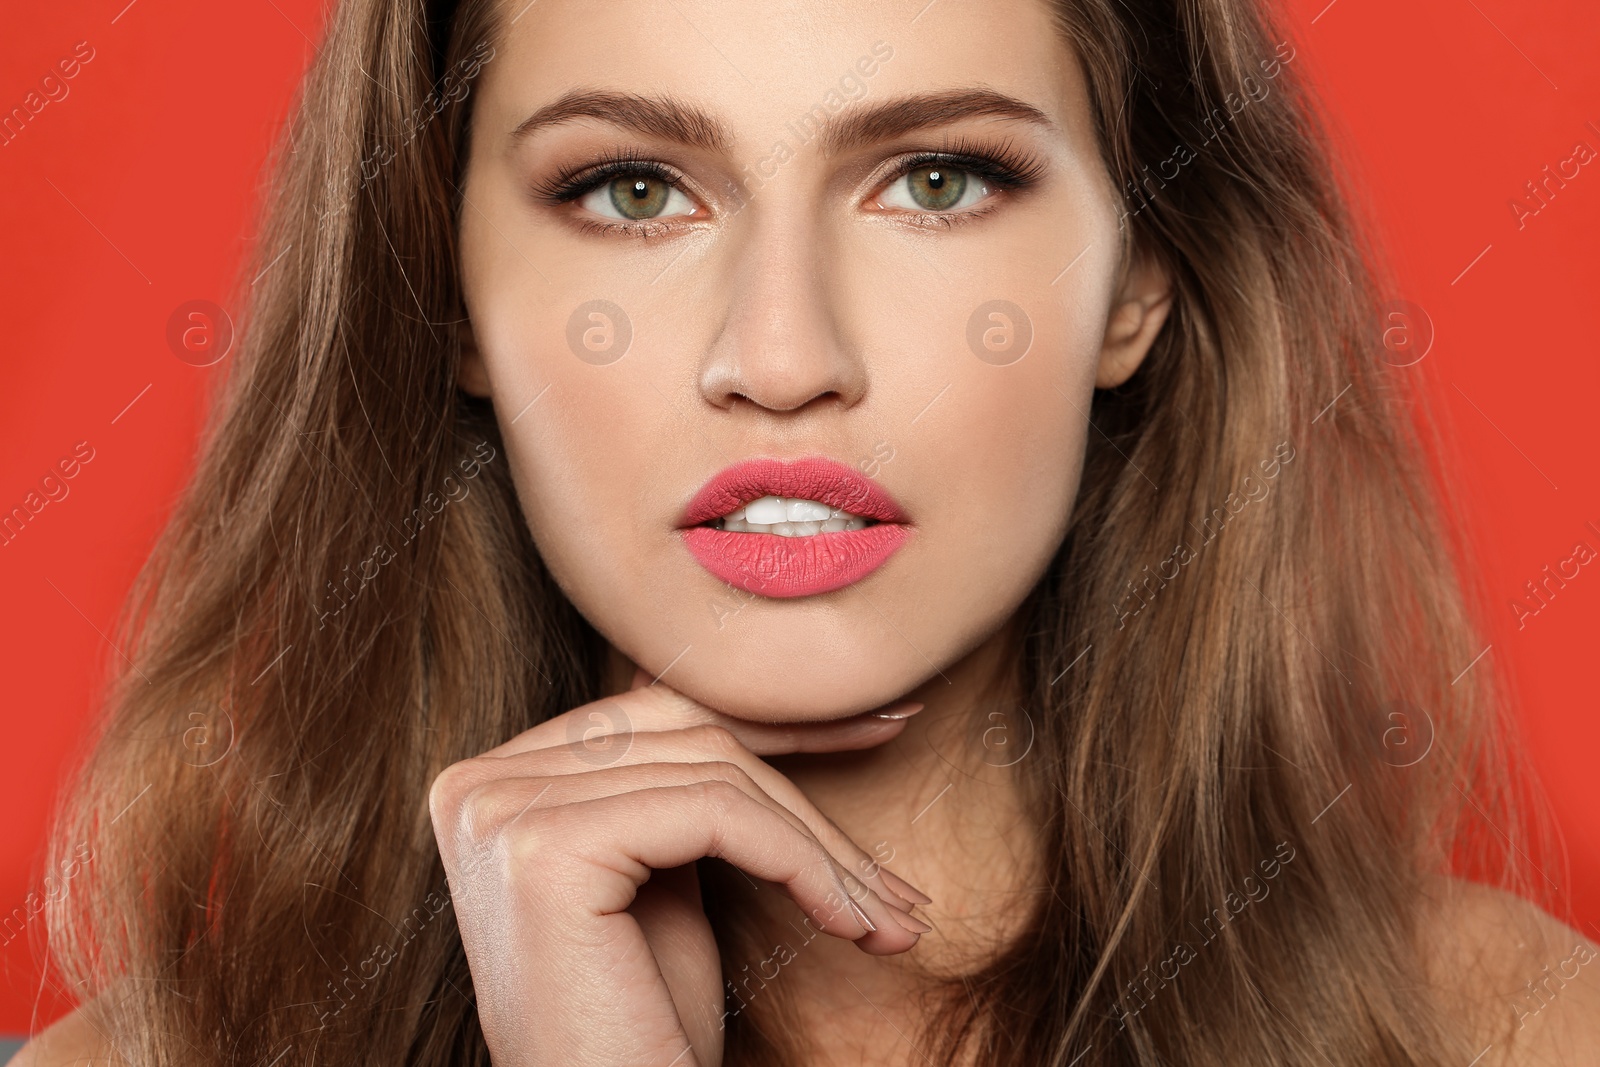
(1524,983)
(72,1039)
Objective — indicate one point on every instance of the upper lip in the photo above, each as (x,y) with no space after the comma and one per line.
(811,477)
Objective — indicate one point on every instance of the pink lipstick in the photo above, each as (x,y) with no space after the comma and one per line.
(844,526)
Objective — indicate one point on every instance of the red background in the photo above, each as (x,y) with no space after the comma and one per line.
(136,194)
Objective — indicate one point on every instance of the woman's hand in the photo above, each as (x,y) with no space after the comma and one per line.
(570,850)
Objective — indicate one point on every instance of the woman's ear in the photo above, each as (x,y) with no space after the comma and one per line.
(1137,315)
(473,377)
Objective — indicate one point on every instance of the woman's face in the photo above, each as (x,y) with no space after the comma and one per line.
(783,267)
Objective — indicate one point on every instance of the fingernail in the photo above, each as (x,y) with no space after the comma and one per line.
(861,916)
(903,887)
(900,711)
(911,923)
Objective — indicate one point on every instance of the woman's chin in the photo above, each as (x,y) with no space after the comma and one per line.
(795,699)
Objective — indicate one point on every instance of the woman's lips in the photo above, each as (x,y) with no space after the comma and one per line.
(812,478)
(777,566)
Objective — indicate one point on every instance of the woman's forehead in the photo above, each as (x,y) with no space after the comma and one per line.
(758,67)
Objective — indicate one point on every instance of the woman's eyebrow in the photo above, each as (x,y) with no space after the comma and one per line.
(672,120)
(657,116)
(870,124)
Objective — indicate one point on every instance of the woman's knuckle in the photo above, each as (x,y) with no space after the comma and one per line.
(475,812)
(488,808)
(446,790)
(718,739)
(718,796)
(730,772)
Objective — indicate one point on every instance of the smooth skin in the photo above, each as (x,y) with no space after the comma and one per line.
(790,303)
(818,307)
(795,308)
(551,862)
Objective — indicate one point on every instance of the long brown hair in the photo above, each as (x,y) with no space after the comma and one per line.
(1257,592)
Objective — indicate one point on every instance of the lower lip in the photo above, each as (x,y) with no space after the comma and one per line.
(777,566)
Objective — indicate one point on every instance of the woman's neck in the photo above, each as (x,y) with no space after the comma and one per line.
(942,806)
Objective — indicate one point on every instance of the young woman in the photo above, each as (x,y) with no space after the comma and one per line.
(808,534)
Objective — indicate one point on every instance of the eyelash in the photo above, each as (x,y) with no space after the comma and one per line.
(1002,167)
(1005,168)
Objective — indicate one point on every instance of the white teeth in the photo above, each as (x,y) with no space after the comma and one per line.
(767,510)
(789,517)
(807,510)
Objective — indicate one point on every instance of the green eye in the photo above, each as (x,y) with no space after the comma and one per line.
(639,197)
(936,188)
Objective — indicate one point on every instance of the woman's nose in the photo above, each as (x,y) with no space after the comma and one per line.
(783,342)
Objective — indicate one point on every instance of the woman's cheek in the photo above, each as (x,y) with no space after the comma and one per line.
(593,461)
(1022,426)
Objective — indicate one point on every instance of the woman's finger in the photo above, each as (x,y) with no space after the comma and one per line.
(709,745)
(493,804)
(657,707)
(621,837)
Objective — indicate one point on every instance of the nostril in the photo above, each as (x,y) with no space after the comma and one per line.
(831,395)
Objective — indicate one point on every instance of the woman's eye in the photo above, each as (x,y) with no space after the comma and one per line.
(636,198)
(936,187)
